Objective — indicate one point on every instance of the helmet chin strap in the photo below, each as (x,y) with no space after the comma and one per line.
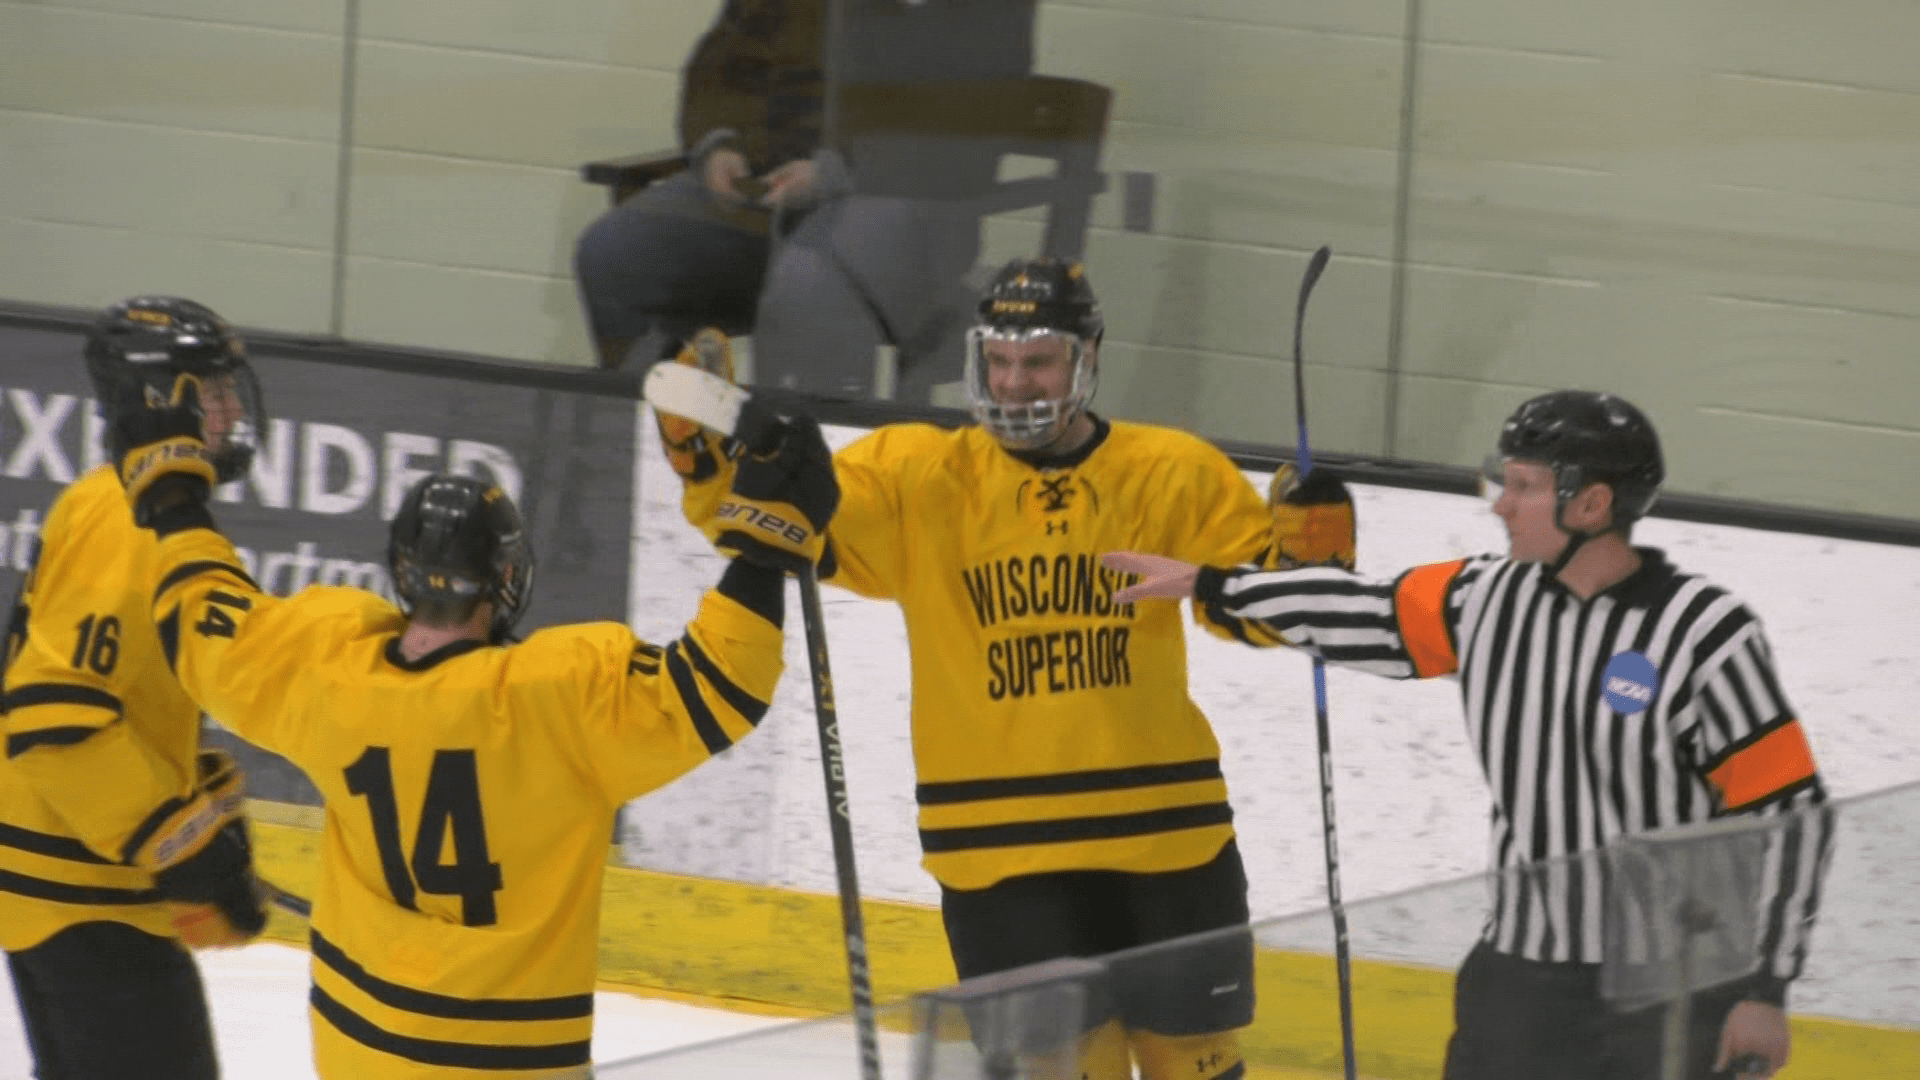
(1575,541)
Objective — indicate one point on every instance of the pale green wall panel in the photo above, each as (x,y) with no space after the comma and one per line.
(1711,206)
(1235,300)
(1361,18)
(257,285)
(1838,141)
(1240,398)
(1457,422)
(1771,245)
(468,214)
(651,34)
(1815,364)
(491,313)
(1568,28)
(1779,459)
(1849,42)
(168,181)
(1565,111)
(493,107)
(175,72)
(324,16)
(1710,450)
(1205,75)
(1249,190)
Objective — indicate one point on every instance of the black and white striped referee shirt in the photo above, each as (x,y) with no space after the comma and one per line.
(1650,705)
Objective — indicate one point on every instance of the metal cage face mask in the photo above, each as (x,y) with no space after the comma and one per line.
(1032,424)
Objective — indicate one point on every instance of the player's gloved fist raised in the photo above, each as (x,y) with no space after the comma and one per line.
(1312,519)
(776,513)
(160,449)
(202,860)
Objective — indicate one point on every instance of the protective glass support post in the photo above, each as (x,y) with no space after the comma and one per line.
(1023,1024)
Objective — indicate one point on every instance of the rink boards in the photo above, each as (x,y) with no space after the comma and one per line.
(773,950)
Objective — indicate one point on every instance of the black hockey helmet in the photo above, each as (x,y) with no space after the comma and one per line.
(1031,298)
(458,539)
(140,346)
(1589,438)
(1045,293)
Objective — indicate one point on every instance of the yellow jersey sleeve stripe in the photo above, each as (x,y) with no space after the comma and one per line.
(1074,830)
(62,735)
(37,695)
(1068,783)
(53,847)
(443,1053)
(426,1003)
(748,706)
(34,694)
(688,688)
(200,566)
(62,893)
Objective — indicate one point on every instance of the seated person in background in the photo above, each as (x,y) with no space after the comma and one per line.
(824,258)
(470,781)
(692,250)
(884,258)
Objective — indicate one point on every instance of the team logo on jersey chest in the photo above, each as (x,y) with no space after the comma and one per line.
(1056,493)
(1630,683)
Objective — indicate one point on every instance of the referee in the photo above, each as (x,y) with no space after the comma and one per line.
(1607,693)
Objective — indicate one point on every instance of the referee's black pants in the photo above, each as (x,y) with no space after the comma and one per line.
(104,1001)
(1518,1019)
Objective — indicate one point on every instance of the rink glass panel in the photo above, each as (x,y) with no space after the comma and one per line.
(1853,1008)
(1707,206)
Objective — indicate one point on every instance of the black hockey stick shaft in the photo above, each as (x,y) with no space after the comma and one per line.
(833,766)
(1304,455)
(291,903)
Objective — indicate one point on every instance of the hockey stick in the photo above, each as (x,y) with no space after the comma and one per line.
(1304,458)
(840,822)
(717,404)
(288,902)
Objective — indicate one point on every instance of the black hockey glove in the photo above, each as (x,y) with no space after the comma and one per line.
(202,861)
(161,453)
(218,901)
(776,513)
(1312,520)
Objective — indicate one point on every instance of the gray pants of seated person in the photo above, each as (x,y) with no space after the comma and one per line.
(852,274)
(666,262)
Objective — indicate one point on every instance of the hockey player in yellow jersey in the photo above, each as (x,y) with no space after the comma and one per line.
(119,841)
(470,782)
(1070,793)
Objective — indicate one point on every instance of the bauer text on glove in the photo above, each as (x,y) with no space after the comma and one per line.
(777,510)
(201,859)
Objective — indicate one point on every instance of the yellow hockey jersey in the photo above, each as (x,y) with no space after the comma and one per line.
(469,798)
(1052,729)
(99,735)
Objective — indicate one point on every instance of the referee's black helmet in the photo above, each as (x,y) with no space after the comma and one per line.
(1589,438)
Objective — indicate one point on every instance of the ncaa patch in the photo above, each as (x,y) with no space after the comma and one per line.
(1630,682)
